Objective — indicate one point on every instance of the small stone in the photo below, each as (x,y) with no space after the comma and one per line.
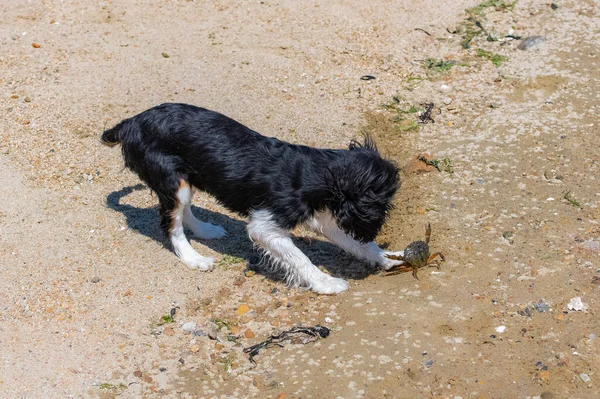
(544,375)
(165,55)
(596,280)
(563,360)
(577,305)
(541,306)
(147,379)
(416,165)
(447,100)
(428,363)
(500,329)
(211,330)
(95,280)
(328,320)
(194,348)
(35,45)
(137,373)
(591,245)
(585,378)
(239,281)
(199,333)
(189,327)
(530,42)
(242,309)
(264,381)
(235,330)
(444,87)
(525,312)
(168,331)
(249,333)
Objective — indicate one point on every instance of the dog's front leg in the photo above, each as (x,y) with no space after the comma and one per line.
(276,242)
(324,223)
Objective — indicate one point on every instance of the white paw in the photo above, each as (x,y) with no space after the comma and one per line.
(386,263)
(196,261)
(329,285)
(207,231)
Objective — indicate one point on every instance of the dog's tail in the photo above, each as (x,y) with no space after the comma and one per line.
(113,136)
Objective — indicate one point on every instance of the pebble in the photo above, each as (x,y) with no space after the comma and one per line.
(576,304)
(541,306)
(239,281)
(530,42)
(444,87)
(249,333)
(264,381)
(591,245)
(189,327)
(585,378)
(168,331)
(525,312)
(428,363)
(242,309)
(447,100)
(563,359)
(195,348)
(211,330)
(500,329)
(328,320)
(415,165)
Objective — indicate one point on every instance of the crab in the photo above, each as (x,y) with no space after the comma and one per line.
(416,256)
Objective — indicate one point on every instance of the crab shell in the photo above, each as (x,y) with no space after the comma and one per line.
(417,254)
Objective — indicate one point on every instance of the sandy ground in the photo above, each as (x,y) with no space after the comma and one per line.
(87,282)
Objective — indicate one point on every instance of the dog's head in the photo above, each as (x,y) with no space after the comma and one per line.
(362,185)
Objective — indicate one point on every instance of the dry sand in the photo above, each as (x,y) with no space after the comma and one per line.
(86,279)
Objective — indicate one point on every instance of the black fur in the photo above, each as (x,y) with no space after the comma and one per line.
(246,171)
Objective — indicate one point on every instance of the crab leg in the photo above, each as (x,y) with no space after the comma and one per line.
(433,256)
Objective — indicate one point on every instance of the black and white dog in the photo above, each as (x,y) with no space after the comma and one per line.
(345,195)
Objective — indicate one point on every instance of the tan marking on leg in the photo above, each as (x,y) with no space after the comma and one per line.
(182,184)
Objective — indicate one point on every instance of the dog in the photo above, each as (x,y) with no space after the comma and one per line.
(345,195)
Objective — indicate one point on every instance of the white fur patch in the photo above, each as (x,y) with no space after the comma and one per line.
(206,231)
(324,223)
(181,245)
(277,244)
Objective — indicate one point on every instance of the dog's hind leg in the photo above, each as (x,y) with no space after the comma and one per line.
(276,242)
(200,229)
(172,210)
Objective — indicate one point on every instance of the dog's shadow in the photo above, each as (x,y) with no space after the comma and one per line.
(146,222)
